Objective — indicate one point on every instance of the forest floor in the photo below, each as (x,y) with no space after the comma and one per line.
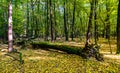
(54,61)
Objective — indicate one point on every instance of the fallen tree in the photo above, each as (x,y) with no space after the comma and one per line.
(65,48)
(92,50)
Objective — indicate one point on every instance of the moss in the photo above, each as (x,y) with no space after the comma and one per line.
(88,52)
(65,48)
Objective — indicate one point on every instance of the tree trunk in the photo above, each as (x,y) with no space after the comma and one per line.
(5,26)
(10,34)
(95,22)
(88,35)
(108,24)
(73,23)
(47,22)
(55,21)
(118,29)
(65,25)
(100,17)
(27,26)
(107,21)
(51,22)
(37,20)
(32,19)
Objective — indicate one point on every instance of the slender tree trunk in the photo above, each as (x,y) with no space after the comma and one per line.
(107,21)
(51,22)
(73,23)
(27,26)
(37,20)
(118,29)
(95,22)
(55,22)
(65,25)
(10,34)
(108,25)
(47,22)
(36,27)
(103,34)
(88,35)
(103,31)
(32,18)
(5,26)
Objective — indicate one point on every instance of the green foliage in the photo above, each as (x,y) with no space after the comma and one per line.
(37,17)
(21,58)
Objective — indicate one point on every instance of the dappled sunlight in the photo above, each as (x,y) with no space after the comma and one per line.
(116,57)
(52,60)
(79,44)
(41,58)
(59,36)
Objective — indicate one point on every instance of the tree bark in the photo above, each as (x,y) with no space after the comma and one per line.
(47,22)
(55,22)
(10,33)
(37,20)
(27,25)
(118,29)
(65,25)
(32,19)
(107,21)
(73,23)
(88,35)
(95,22)
(51,22)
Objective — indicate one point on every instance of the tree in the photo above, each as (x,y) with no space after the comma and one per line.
(107,20)
(73,23)
(32,18)
(47,21)
(95,21)
(37,20)
(55,34)
(10,32)
(65,23)
(118,29)
(51,22)
(88,35)
(27,26)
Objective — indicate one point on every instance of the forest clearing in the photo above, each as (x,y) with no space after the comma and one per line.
(55,61)
(59,36)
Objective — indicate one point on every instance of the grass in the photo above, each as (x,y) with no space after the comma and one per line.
(54,61)
(43,61)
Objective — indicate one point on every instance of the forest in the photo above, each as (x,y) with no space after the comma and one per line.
(59,36)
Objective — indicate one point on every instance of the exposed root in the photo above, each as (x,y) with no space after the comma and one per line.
(92,50)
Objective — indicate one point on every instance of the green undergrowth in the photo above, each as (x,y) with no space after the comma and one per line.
(43,61)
